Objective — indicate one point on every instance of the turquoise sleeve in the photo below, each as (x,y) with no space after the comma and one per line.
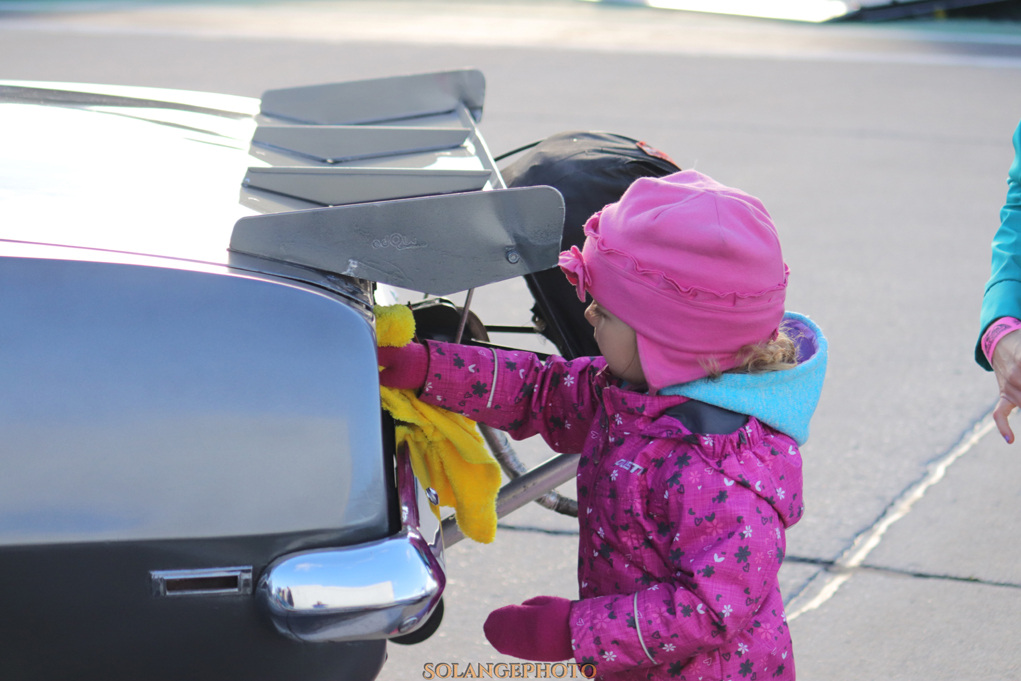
(1003,291)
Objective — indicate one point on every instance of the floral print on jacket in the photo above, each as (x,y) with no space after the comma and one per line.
(681,534)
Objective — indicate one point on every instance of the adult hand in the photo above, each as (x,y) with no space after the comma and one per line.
(404,367)
(539,629)
(1007,366)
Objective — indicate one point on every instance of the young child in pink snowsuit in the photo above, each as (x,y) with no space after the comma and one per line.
(688,426)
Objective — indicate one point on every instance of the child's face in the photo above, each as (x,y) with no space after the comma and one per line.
(617,342)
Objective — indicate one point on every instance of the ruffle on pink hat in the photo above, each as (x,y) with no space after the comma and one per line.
(694,267)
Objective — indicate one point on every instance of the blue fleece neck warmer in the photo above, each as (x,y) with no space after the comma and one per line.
(784,400)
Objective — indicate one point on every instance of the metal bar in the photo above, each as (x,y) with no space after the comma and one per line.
(464,316)
(508,154)
(482,150)
(496,328)
(500,446)
(521,491)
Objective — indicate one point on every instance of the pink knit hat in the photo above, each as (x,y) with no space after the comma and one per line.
(693,267)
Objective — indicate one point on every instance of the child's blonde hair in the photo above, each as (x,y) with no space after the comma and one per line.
(777,354)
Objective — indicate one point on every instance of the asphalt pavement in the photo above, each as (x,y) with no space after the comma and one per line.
(881,152)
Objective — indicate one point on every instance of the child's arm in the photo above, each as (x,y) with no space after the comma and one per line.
(717,593)
(516,392)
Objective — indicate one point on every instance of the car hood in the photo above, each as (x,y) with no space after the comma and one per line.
(137,170)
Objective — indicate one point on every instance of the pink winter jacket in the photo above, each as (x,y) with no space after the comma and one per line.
(682,535)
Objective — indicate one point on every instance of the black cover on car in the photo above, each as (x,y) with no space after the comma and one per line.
(590,169)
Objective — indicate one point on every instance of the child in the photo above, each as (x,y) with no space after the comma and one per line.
(685,483)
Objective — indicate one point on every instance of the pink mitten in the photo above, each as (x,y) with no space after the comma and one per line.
(404,367)
(539,629)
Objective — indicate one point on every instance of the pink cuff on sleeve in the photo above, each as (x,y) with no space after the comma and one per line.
(997,330)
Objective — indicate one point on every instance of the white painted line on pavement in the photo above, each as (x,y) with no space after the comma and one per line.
(868,540)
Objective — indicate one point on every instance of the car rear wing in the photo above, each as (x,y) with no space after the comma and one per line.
(389,180)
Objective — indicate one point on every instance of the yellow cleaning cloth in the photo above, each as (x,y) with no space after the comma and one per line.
(447,452)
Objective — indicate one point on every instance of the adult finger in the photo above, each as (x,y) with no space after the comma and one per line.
(1010,376)
(1011,395)
(1000,414)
